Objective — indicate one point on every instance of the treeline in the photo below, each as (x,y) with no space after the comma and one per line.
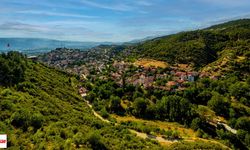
(12,68)
(227,97)
(148,104)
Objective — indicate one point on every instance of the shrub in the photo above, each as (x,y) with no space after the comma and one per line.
(219,104)
(6,105)
(196,123)
(24,119)
(243,123)
(21,118)
(104,113)
(36,120)
(6,92)
(94,139)
(175,135)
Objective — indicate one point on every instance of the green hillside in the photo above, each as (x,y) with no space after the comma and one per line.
(199,47)
(41,109)
(215,105)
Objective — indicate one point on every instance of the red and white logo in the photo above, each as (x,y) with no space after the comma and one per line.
(3,140)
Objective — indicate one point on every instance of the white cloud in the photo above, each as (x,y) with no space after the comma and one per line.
(231,3)
(46,13)
(17,26)
(117,6)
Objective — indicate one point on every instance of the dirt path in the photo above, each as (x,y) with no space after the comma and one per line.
(158,138)
(139,134)
(144,135)
(95,113)
(228,128)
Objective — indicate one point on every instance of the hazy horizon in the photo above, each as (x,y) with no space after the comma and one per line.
(113,20)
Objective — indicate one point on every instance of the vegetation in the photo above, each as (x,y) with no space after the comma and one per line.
(39,112)
(12,68)
(196,145)
(221,51)
(200,47)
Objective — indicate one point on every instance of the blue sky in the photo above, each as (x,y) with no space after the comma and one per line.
(113,20)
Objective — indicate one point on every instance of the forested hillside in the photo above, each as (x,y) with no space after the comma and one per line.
(198,99)
(41,109)
(215,104)
(199,47)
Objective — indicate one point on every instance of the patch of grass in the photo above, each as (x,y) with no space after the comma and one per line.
(184,132)
(197,144)
(209,114)
(151,63)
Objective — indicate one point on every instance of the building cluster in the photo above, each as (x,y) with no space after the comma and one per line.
(176,78)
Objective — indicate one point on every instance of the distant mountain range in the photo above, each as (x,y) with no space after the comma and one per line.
(140,40)
(39,45)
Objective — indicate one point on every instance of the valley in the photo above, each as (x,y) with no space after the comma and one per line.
(188,90)
(126,85)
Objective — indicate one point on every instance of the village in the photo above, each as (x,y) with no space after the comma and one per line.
(169,78)
(148,73)
(163,77)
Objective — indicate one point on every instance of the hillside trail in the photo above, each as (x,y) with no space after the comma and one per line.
(228,128)
(139,134)
(95,113)
(160,139)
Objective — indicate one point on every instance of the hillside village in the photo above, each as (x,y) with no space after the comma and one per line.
(84,63)
(169,78)
(153,75)
(125,75)
(120,82)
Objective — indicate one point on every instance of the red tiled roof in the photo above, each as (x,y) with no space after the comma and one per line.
(171,83)
(180,73)
(180,81)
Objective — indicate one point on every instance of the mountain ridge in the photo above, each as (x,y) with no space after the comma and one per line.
(41,45)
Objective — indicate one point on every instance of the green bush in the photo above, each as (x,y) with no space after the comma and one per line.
(24,119)
(219,104)
(196,124)
(104,113)
(21,118)
(95,141)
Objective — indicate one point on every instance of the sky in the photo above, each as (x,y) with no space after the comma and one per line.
(113,20)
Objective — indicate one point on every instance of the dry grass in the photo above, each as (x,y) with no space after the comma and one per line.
(209,114)
(125,103)
(184,132)
(188,135)
(240,58)
(151,63)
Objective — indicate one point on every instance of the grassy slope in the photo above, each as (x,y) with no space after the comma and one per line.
(66,122)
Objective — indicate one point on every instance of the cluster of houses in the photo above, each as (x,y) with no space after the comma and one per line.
(172,79)
(62,57)
(146,77)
